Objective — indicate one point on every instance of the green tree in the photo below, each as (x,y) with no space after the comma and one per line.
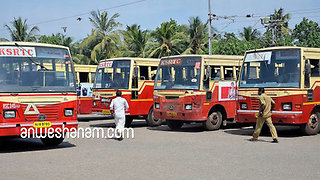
(169,39)
(307,33)
(136,40)
(58,39)
(19,30)
(197,36)
(231,45)
(104,41)
(250,34)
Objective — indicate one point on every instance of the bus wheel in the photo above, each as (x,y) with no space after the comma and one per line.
(129,120)
(52,142)
(151,121)
(174,124)
(214,121)
(313,126)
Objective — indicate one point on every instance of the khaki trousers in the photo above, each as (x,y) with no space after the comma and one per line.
(259,125)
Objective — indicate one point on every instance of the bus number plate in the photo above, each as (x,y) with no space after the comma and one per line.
(43,124)
(106,112)
(171,114)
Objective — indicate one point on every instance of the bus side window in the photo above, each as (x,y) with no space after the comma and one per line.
(144,74)
(206,77)
(93,77)
(84,77)
(228,73)
(153,72)
(215,73)
(314,67)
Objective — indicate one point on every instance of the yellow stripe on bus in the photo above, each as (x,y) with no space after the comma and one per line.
(311,103)
(142,100)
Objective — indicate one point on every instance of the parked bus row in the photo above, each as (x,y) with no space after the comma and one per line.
(39,84)
(217,89)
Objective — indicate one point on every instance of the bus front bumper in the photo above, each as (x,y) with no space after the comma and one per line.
(187,115)
(278,117)
(15,129)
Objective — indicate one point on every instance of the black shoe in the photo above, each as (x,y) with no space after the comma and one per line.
(253,139)
(275,141)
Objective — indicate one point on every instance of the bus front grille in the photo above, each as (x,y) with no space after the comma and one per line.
(50,111)
(255,104)
(172,106)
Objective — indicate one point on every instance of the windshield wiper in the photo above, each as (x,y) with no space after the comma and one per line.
(43,67)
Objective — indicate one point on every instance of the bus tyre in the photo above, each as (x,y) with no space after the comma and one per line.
(313,126)
(151,121)
(52,142)
(129,120)
(213,121)
(174,124)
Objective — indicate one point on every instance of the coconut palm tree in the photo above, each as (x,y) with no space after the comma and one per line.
(136,40)
(104,40)
(249,34)
(169,39)
(19,31)
(283,27)
(197,36)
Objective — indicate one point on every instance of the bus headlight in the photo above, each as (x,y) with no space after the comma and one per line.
(244,106)
(188,107)
(9,114)
(68,112)
(157,105)
(94,103)
(287,106)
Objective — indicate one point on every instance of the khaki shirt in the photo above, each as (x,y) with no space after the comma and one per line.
(267,102)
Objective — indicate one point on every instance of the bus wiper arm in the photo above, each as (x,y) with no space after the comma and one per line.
(31,59)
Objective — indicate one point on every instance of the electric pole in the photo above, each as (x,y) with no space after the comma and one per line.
(209,28)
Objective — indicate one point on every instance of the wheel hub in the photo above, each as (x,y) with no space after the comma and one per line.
(214,118)
(313,121)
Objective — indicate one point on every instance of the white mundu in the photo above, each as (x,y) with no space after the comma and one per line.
(119,105)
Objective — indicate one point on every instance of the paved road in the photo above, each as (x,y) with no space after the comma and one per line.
(158,153)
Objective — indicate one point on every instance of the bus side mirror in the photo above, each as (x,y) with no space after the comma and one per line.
(135,71)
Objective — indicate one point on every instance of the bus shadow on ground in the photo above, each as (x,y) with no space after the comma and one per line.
(192,128)
(16,144)
(87,118)
(283,131)
(134,124)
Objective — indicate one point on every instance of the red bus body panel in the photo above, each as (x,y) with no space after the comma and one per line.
(299,114)
(137,107)
(52,109)
(200,105)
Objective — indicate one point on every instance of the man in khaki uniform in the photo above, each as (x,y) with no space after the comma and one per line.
(265,106)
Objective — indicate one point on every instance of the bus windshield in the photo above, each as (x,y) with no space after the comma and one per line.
(274,68)
(35,69)
(179,73)
(113,74)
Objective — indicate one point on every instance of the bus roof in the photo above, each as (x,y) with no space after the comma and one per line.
(131,58)
(12,43)
(287,47)
(215,56)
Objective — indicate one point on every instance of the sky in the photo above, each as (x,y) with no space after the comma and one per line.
(51,15)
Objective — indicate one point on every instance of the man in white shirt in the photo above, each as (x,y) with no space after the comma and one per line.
(119,106)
